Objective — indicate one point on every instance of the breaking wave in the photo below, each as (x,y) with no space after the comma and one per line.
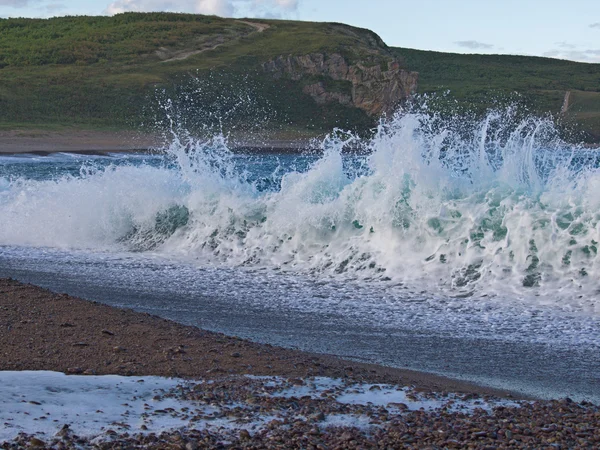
(500,206)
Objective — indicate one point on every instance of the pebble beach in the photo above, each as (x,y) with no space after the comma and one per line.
(78,374)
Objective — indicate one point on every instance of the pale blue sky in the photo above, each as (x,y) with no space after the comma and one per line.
(557,28)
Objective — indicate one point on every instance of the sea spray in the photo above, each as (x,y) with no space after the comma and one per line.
(495,207)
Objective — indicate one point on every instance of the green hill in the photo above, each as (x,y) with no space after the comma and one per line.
(478,81)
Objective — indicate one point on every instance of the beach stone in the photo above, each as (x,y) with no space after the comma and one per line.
(245,435)
(74,370)
(400,406)
(35,442)
(64,431)
(346,436)
(317,417)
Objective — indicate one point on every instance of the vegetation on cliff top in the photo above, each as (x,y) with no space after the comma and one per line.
(476,82)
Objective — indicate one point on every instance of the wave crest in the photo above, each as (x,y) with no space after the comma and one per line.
(500,206)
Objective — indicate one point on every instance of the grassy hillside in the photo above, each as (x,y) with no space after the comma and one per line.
(104,72)
(122,71)
(584,109)
(477,81)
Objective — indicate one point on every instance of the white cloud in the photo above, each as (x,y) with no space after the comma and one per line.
(289,5)
(474,45)
(33,8)
(267,8)
(120,6)
(589,56)
(566,45)
(217,7)
(595,25)
(224,8)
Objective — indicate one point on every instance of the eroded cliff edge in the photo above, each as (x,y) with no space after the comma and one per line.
(374,85)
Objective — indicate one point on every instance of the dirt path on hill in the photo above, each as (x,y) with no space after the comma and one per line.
(212,44)
(260,27)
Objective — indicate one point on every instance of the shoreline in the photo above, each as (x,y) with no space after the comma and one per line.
(72,333)
(94,142)
(42,142)
(233,393)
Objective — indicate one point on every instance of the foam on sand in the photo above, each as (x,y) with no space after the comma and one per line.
(98,407)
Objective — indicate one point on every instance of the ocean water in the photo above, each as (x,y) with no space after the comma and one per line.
(468,248)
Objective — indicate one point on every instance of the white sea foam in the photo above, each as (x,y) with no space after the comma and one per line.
(41,402)
(497,208)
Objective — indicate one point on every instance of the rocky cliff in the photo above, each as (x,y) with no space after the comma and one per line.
(373,85)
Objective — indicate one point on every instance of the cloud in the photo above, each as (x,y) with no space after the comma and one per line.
(564,44)
(224,8)
(289,4)
(15,3)
(589,55)
(216,7)
(39,8)
(54,7)
(595,25)
(474,45)
(273,9)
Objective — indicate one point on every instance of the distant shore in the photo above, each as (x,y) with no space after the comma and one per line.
(46,142)
(100,142)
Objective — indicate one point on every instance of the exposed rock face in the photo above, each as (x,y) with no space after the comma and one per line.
(373,89)
(318,92)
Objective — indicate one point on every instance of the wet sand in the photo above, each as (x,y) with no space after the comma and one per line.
(39,141)
(42,330)
(100,142)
